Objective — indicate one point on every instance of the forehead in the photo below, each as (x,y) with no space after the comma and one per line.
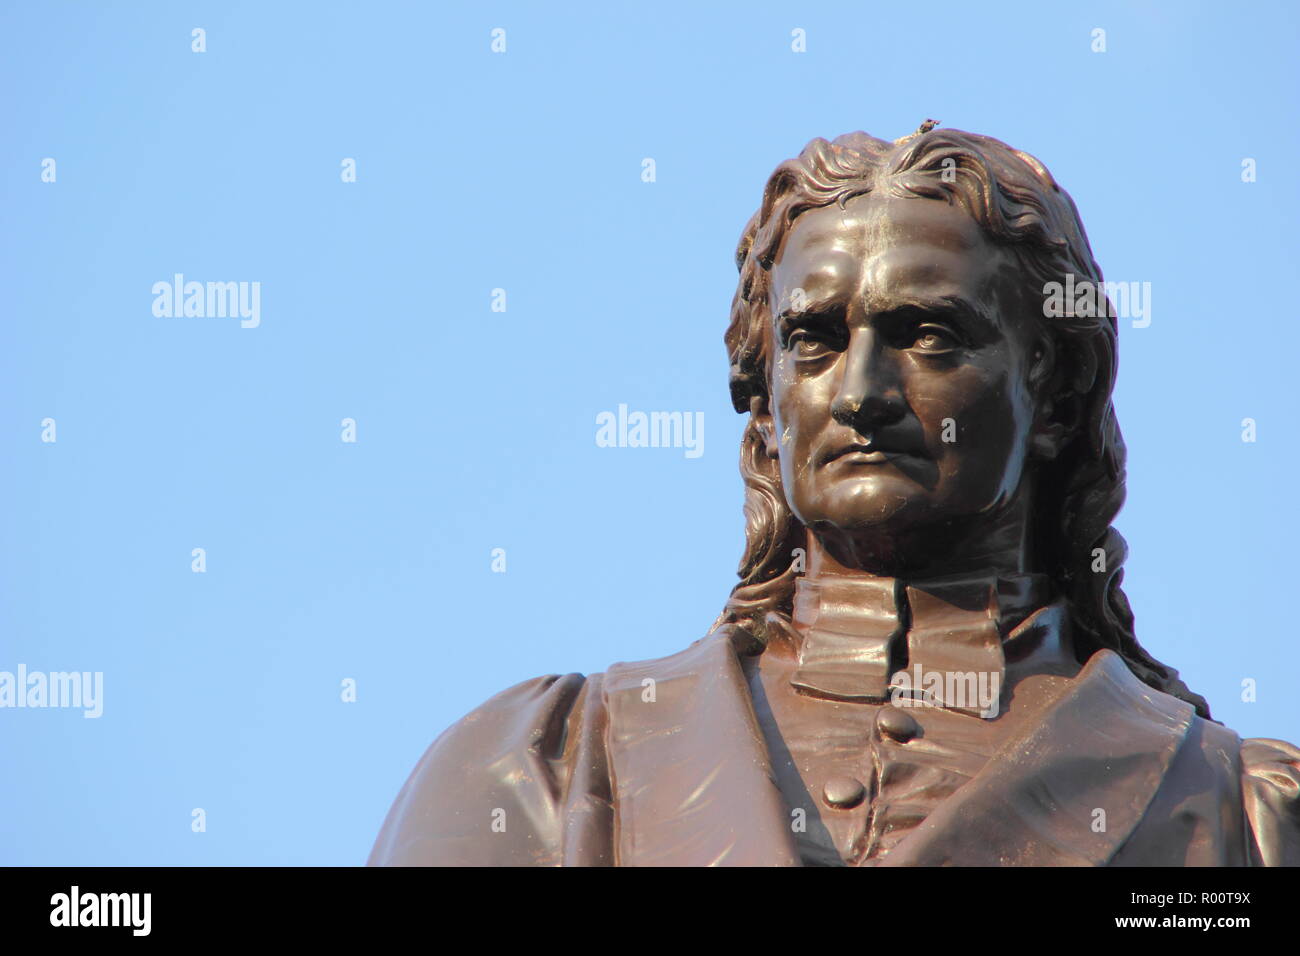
(882,248)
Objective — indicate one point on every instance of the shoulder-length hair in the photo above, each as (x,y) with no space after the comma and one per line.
(1017,203)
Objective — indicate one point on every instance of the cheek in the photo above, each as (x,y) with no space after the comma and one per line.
(799,413)
(797,404)
(986,411)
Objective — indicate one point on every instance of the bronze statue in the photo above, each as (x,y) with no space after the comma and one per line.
(929,658)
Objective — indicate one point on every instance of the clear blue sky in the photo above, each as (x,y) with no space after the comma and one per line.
(372,560)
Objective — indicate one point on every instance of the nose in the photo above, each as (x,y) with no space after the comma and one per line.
(869,396)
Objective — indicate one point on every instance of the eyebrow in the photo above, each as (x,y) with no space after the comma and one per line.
(978,319)
(817,308)
(820,315)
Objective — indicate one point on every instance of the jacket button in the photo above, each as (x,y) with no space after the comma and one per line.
(843,793)
(897,724)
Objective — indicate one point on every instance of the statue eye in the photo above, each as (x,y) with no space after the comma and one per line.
(934,339)
(808,345)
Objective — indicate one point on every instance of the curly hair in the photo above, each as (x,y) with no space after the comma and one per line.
(1018,204)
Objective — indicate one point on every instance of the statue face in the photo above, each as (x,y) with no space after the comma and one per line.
(898,395)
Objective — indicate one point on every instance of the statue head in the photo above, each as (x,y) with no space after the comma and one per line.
(914,410)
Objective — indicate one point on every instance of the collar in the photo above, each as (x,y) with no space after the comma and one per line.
(857,632)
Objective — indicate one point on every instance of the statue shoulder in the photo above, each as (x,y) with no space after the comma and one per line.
(1271,793)
(524,779)
(491,789)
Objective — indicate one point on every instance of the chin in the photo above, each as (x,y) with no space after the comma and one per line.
(870,505)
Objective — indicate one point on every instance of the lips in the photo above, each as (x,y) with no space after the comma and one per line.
(866,452)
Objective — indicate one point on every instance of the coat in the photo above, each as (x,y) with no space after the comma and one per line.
(574,771)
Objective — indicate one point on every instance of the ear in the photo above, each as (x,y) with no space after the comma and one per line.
(1049,437)
(1056,414)
(761,416)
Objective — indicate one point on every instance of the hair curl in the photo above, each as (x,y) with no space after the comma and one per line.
(1017,203)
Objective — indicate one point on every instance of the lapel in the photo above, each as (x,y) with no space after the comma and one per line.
(692,779)
(1105,745)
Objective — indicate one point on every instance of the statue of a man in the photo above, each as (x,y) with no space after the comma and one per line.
(929,658)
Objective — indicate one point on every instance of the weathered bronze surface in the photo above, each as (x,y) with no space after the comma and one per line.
(929,658)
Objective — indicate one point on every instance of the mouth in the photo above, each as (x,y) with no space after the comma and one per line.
(866,453)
